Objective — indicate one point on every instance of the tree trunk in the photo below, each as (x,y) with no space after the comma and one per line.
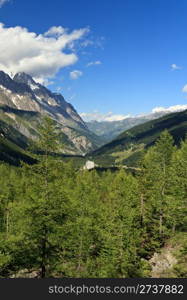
(80,254)
(43,271)
(173,228)
(160,223)
(142,210)
(7,222)
(43,263)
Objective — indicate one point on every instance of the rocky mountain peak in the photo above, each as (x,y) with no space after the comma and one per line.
(10,85)
(22,93)
(24,78)
(4,78)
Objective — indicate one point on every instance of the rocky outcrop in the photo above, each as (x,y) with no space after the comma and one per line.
(163,262)
(25,273)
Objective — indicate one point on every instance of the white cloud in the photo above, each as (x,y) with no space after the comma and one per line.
(41,56)
(97,116)
(44,81)
(184,89)
(96,42)
(55,31)
(92,63)
(75,74)
(175,67)
(3,2)
(87,43)
(171,109)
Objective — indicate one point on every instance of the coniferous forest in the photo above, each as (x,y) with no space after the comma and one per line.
(58,220)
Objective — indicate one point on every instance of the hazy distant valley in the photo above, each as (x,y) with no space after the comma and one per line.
(23,102)
(108,130)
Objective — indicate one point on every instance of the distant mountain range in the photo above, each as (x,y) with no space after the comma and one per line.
(110,130)
(129,146)
(22,103)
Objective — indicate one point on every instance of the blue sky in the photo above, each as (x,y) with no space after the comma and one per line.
(130,57)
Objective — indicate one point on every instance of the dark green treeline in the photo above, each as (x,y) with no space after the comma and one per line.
(63,222)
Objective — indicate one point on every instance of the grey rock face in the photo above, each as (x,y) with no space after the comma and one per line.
(162,262)
(23,93)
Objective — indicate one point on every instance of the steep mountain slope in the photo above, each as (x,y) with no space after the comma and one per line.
(12,145)
(23,101)
(110,130)
(128,147)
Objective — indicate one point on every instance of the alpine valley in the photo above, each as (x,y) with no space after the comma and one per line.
(98,190)
(129,146)
(23,102)
(97,204)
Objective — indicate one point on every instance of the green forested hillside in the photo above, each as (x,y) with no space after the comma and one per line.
(129,146)
(57,221)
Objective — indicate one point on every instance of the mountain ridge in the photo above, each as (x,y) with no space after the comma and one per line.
(128,147)
(109,130)
(21,94)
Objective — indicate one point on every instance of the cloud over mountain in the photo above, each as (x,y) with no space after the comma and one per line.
(174,108)
(40,55)
(110,116)
(97,116)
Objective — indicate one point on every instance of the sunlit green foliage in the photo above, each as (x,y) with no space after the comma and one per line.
(63,222)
